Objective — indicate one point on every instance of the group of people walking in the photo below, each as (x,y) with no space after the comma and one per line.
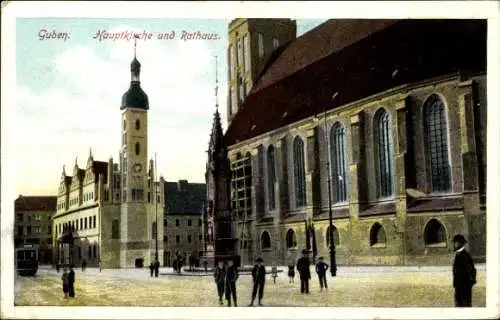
(154,267)
(68,280)
(225,276)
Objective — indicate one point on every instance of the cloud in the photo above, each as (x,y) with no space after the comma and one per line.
(80,109)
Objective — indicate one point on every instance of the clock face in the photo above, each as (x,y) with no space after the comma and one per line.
(137,167)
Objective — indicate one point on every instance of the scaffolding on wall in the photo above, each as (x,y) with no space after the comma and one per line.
(241,203)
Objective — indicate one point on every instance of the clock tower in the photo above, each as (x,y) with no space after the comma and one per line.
(137,218)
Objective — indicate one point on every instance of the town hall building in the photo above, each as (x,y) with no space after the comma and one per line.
(383,122)
(106,211)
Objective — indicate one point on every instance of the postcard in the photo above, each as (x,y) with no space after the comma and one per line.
(235,156)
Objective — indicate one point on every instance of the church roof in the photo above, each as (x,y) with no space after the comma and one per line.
(354,59)
(35,203)
(183,198)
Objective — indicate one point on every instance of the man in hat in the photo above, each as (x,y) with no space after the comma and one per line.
(303,265)
(464,273)
(321,268)
(259,280)
(230,282)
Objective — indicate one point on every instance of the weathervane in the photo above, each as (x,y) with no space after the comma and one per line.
(216,86)
(135,44)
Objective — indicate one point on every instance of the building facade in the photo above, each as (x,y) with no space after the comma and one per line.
(33,224)
(391,114)
(108,211)
(183,221)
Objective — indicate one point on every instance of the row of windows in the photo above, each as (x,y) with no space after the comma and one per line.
(88,196)
(178,238)
(30,217)
(434,234)
(78,224)
(436,151)
(178,222)
(31,230)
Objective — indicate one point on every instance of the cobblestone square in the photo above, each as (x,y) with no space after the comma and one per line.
(353,287)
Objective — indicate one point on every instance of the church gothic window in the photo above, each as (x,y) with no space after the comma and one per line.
(137,124)
(265,240)
(276,43)
(291,239)
(377,235)
(338,161)
(261,44)
(384,153)
(153,230)
(299,172)
(137,148)
(246,49)
(434,233)
(336,237)
(271,177)
(241,184)
(436,143)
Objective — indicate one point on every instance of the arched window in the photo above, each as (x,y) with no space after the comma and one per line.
(291,239)
(338,160)
(434,232)
(265,240)
(271,177)
(137,124)
(436,144)
(377,234)
(336,237)
(384,153)
(299,172)
(137,148)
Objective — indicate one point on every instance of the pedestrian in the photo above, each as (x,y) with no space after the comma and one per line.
(304,272)
(157,268)
(291,272)
(205,264)
(71,282)
(84,264)
(321,268)
(65,282)
(230,282)
(274,272)
(464,273)
(219,277)
(151,269)
(259,280)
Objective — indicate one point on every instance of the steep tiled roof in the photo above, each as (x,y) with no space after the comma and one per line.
(327,38)
(35,203)
(184,198)
(298,85)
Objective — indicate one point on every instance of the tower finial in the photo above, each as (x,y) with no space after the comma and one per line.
(135,44)
(216,85)
(90,152)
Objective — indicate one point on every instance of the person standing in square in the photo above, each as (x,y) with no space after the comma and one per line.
(65,282)
(230,285)
(259,280)
(71,282)
(464,273)
(321,268)
(219,277)
(304,272)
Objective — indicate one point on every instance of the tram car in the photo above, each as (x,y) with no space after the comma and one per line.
(27,260)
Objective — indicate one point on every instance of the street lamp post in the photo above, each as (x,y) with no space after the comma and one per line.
(333,263)
(156,210)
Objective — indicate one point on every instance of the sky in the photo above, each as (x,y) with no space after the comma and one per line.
(68,93)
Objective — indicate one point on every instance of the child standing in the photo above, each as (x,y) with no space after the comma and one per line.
(65,281)
(291,272)
(274,272)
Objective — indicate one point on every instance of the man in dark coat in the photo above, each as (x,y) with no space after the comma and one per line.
(157,268)
(464,273)
(305,273)
(259,280)
(321,268)
(219,277)
(230,283)
(71,281)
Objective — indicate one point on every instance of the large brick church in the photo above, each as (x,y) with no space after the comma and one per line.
(390,113)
